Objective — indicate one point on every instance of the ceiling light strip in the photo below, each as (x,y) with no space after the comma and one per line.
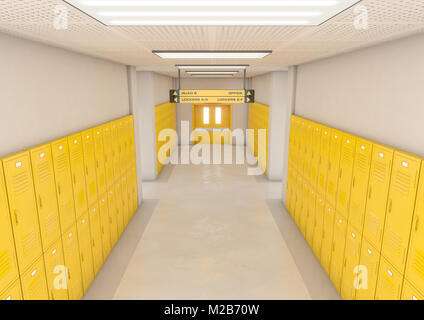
(217,3)
(184,22)
(181,14)
(211,66)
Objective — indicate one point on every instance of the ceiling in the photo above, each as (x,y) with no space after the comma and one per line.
(388,19)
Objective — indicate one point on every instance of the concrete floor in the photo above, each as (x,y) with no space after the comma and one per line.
(211,232)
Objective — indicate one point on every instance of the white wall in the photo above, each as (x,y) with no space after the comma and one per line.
(153,89)
(240,112)
(376,93)
(272,89)
(47,93)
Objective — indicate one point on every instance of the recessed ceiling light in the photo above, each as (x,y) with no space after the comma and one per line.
(211,72)
(211,66)
(212,12)
(212,54)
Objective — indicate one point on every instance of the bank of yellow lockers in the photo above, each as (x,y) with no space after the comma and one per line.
(360,179)
(23,209)
(377,194)
(400,209)
(9,272)
(63,178)
(45,192)
(369,263)
(414,273)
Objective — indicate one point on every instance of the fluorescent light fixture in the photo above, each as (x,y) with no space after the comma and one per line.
(212,12)
(211,66)
(211,72)
(211,76)
(212,54)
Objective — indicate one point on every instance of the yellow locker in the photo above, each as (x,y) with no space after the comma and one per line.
(8,265)
(96,237)
(318,227)
(72,262)
(308,149)
(400,209)
(352,257)
(56,275)
(23,209)
(327,237)
(63,177)
(122,133)
(389,283)
(108,153)
(409,292)
(361,173)
(34,283)
(415,266)
(369,262)
(116,150)
(105,225)
(90,166)
(14,292)
(99,155)
(78,174)
(333,166)
(338,254)
(86,252)
(378,190)
(125,198)
(323,161)
(113,217)
(347,156)
(302,218)
(45,192)
(299,198)
(310,221)
(118,208)
(315,155)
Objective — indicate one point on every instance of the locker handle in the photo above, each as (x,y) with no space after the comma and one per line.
(93,243)
(370,193)
(341,171)
(345,261)
(97,164)
(75,180)
(86,171)
(69,274)
(41,202)
(82,257)
(353,182)
(390,205)
(16,216)
(416,223)
(58,189)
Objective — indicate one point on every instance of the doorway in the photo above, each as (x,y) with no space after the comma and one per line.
(213,121)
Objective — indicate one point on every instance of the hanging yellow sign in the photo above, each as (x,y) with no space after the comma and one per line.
(212,96)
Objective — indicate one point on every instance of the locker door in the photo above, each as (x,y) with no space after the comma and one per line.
(8,265)
(118,208)
(86,252)
(23,209)
(90,166)
(63,177)
(308,149)
(323,161)
(415,267)
(337,256)
(116,150)
(34,283)
(378,190)
(351,261)
(14,292)
(327,237)
(57,278)
(333,166)
(361,173)
(370,262)
(96,238)
(108,152)
(347,157)
(318,227)
(100,160)
(310,222)
(302,218)
(125,209)
(72,262)
(299,198)
(105,225)
(45,192)
(400,208)
(316,150)
(113,217)
(409,292)
(122,135)
(389,283)
(78,174)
